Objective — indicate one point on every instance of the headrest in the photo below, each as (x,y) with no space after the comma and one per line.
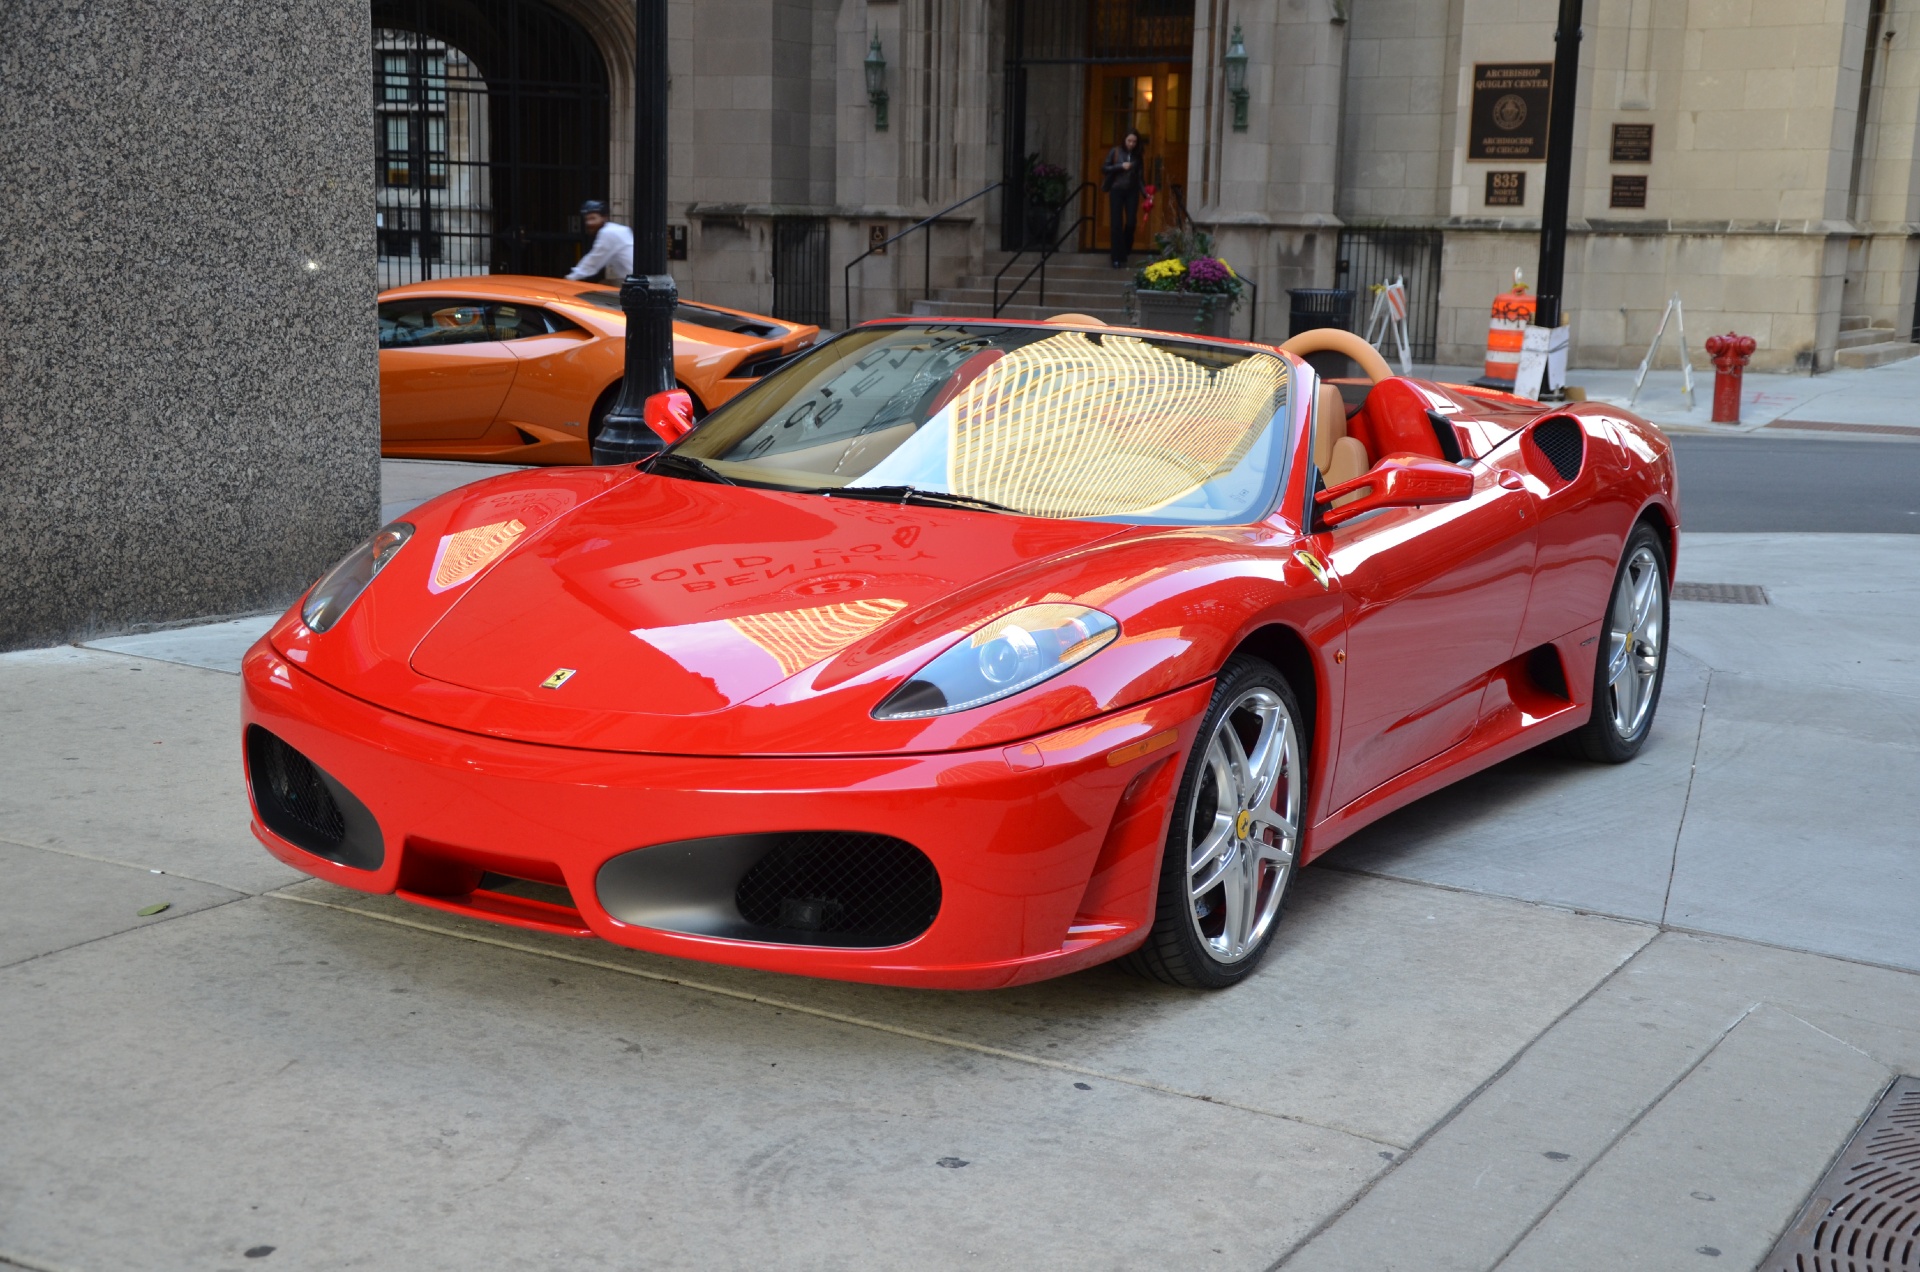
(1078,320)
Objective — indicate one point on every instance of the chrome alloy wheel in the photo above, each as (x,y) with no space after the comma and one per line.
(1636,628)
(1245,830)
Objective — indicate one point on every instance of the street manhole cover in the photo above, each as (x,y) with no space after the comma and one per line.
(1721,593)
(1865,1215)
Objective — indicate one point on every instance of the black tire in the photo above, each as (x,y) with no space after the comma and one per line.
(1175,951)
(1601,739)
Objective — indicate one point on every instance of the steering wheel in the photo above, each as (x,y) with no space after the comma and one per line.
(1334,340)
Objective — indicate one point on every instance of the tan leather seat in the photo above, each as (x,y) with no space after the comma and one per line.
(1338,456)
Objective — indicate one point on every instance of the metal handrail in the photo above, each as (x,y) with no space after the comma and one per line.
(846,275)
(1046,252)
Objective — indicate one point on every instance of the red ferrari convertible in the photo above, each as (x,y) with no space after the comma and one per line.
(966,654)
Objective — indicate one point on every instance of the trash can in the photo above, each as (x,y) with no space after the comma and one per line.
(1311,307)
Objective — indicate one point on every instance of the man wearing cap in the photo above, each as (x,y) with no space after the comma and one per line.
(612,248)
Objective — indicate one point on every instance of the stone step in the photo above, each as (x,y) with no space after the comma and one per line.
(1859,337)
(1030,294)
(1037,313)
(1877,355)
(1855,322)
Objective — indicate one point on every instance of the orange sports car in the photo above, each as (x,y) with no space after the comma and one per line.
(522,369)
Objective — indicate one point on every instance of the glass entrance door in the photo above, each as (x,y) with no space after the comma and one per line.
(1152,99)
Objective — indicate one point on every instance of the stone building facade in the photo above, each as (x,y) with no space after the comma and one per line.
(1771,143)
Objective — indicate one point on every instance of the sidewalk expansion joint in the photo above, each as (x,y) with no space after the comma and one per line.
(1693,769)
(843,1018)
(1625,1131)
(130,865)
(1465,1102)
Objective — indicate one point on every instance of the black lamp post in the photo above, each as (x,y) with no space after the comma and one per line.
(1550,278)
(648,295)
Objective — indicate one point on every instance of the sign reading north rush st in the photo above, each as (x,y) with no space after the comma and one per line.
(1509,116)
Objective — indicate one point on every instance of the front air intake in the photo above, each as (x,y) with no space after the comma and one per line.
(302,804)
(813,887)
(842,888)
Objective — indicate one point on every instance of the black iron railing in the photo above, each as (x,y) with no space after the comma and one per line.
(925,224)
(1046,248)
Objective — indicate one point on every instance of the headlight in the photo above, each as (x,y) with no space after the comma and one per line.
(341,586)
(1013,652)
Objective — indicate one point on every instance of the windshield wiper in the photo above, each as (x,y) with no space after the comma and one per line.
(678,465)
(913,494)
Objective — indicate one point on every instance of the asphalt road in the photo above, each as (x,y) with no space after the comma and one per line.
(1754,484)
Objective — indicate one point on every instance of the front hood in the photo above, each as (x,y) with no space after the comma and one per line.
(671,598)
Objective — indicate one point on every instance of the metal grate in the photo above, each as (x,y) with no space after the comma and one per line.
(800,269)
(1368,258)
(1864,1216)
(1721,593)
(288,789)
(490,129)
(1563,443)
(842,888)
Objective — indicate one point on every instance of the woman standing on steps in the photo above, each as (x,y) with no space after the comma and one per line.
(1121,176)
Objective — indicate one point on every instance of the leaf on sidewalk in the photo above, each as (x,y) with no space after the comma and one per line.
(156,908)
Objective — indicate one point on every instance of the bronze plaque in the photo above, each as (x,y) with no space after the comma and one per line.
(1628,191)
(1506,189)
(1510,107)
(1633,143)
(877,239)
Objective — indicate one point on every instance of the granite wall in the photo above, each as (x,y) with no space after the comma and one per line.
(189,410)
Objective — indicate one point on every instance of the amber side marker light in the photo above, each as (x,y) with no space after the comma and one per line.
(1146,746)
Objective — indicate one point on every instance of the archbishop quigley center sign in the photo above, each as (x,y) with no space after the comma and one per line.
(1509,115)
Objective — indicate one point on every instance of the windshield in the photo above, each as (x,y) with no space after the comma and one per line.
(1051,423)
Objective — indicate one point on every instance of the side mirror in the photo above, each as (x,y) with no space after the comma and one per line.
(670,415)
(1398,481)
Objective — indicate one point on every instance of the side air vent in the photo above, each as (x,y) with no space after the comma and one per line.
(826,888)
(1564,444)
(302,804)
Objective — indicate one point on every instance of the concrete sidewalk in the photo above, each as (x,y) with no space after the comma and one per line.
(1877,402)
(1558,1017)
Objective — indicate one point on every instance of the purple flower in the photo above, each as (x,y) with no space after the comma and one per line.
(1205,270)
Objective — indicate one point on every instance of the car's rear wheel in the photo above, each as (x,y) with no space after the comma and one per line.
(1235,836)
(1632,661)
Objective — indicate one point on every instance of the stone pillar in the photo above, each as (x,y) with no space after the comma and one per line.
(188,376)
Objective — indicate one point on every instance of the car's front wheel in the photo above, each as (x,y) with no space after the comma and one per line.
(1235,837)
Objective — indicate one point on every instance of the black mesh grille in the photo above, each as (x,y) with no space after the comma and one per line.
(1564,444)
(287,779)
(842,888)
(305,807)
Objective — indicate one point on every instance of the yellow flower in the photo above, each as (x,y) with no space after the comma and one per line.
(1160,271)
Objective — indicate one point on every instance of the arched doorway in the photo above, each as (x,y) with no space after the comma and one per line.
(490,130)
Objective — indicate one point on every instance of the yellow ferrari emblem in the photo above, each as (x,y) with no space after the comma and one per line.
(560,677)
(1243,823)
(1315,566)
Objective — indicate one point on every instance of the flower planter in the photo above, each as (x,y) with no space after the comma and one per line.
(1181,311)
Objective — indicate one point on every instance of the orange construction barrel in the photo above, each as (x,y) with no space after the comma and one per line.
(1512,315)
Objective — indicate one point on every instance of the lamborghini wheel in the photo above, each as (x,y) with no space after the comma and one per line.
(1632,661)
(1235,835)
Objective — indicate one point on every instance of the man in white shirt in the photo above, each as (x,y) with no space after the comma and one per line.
(612,248)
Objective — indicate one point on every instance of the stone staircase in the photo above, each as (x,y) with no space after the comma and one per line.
(1863,344)
(1077,283)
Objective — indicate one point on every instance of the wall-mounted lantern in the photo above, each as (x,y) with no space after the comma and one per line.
(1236,62)
(876,65)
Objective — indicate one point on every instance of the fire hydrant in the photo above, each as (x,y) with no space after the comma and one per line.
(1729,353)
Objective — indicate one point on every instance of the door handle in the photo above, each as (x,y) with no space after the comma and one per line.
(1511,480)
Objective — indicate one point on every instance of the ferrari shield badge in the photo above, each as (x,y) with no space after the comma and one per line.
(465,554)
(559,677)
(1315,566)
